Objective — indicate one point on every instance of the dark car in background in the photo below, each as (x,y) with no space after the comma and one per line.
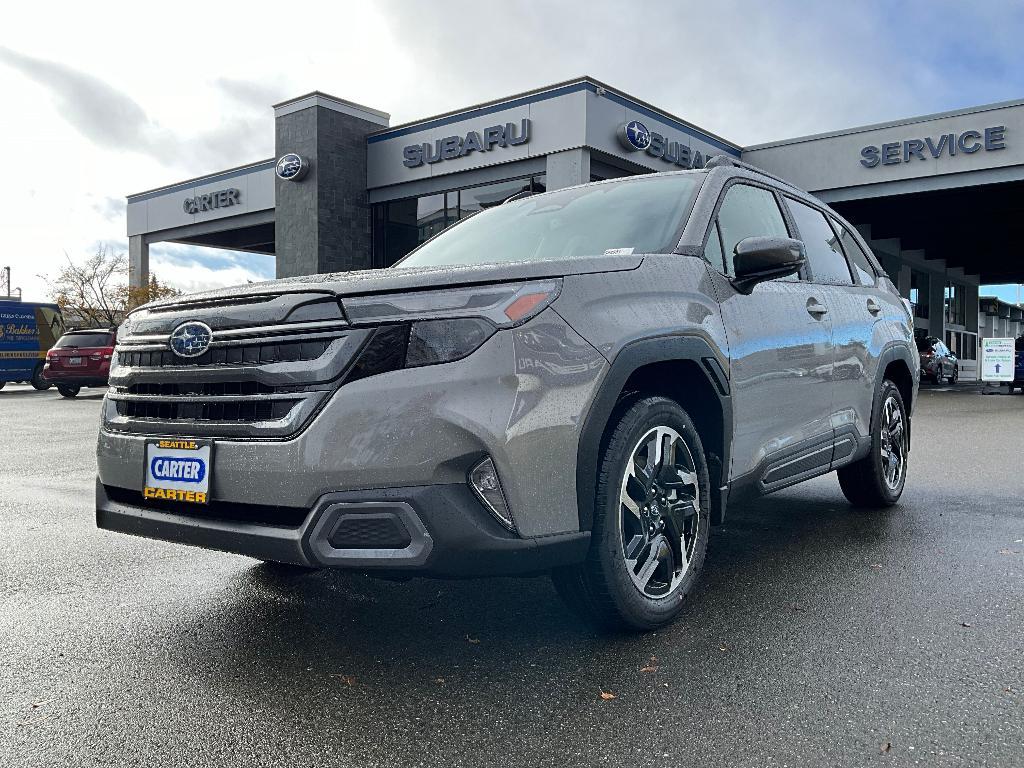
(80,358)
(937,362)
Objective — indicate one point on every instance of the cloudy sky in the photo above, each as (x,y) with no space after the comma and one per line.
(103,100)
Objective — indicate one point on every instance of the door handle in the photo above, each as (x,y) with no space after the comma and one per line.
(873,307)
(815,308)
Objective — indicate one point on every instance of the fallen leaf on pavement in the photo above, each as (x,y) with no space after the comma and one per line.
(964,624)
(1005,551)
(885,747)
(348,680)
(876,565)
(723,648)
(439,680)
(607,695)
(473,640)
(652,667)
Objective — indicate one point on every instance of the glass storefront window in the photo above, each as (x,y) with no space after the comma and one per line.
(919,293)
(954,304)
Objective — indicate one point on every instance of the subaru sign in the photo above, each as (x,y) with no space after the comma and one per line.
(291,167)
(451,147)
(635,137)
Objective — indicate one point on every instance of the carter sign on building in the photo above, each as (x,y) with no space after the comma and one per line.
(212,201)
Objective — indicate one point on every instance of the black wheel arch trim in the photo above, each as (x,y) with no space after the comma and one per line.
(632,357)
(896,351)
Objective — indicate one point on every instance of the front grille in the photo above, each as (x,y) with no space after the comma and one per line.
(266,373)
(200,389)
(239,411)
(235,354)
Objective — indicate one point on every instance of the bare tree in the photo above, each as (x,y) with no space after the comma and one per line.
(95,291)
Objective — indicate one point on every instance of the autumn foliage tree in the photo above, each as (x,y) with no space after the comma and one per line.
(95,290)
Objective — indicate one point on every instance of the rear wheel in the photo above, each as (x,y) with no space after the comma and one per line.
(38,382)
(68,391)
(651,521)
(877,480)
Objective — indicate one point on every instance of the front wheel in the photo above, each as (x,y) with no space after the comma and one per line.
(956,375)
(38,382)
(66,391)
(877,480)
(651,520)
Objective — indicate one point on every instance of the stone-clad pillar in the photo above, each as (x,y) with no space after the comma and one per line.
(322,221)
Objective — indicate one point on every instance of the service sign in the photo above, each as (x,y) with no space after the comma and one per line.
(178,470)
(997,357)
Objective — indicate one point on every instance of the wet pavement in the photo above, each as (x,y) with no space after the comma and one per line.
(819,635)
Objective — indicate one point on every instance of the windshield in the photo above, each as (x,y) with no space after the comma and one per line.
(98,339)
(642,215)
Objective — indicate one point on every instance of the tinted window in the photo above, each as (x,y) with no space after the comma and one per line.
(748,212)
(859,259)
(641,215)
(99,339)
(828,265)
(713,250)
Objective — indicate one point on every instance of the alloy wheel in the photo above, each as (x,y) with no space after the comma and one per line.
(659,512)
(893,445)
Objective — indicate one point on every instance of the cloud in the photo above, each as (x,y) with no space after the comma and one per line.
(252,95)
(110,208)
(113,120)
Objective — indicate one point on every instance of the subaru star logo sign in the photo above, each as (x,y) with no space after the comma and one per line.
(191,339)
(634,136)
(292,167)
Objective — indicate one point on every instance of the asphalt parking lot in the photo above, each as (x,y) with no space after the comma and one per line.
(819,636)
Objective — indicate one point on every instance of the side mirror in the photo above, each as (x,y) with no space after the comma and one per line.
(757,259)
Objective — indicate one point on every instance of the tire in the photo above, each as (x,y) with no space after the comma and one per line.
(868,482)
(956,375)
(68,391)
(3,384)
(664,522)
(38,382)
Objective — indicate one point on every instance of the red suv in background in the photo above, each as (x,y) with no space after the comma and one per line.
(80,358)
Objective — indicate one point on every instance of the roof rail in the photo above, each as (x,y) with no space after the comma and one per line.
(719,161)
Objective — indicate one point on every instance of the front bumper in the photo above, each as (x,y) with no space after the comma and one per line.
(427,530)
(518,399)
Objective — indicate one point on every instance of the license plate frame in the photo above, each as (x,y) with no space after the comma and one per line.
(74,361)
(185,474)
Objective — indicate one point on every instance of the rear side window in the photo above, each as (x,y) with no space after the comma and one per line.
(859,259)
(828,265)
(99,339)
(748,212)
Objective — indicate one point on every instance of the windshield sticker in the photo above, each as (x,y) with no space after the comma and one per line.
(618,251)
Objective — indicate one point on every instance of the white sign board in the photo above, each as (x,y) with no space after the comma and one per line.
(997,359)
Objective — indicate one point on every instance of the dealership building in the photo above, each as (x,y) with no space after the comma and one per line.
(939,197)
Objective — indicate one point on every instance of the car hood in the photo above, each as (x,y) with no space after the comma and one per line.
(370,281)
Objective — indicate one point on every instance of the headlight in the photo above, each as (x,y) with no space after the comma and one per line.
(441,326)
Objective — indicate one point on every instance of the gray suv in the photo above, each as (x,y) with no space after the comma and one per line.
(575,382)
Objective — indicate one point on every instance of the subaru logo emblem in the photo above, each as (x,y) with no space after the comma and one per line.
(634,136)
(291,167)
(191,339)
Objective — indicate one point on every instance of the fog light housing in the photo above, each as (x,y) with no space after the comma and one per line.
(483,479)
